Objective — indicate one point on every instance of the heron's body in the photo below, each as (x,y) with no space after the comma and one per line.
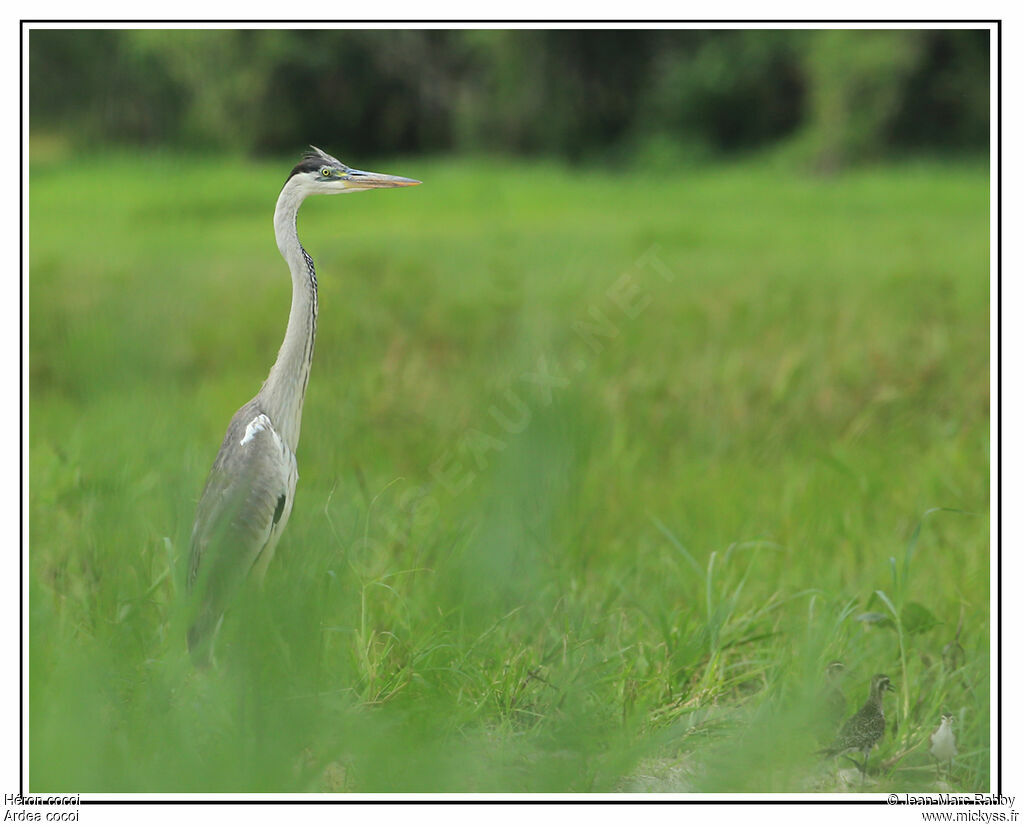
(248,495)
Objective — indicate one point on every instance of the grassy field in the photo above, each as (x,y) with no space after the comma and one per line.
(598,470)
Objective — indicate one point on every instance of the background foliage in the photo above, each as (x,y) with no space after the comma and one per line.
(847,95)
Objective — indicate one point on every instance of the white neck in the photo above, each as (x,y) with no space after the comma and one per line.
(284,391)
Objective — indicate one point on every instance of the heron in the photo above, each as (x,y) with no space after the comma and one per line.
(249,492)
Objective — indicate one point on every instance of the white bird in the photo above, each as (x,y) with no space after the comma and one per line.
(943,742)
(835,700)
(248,495)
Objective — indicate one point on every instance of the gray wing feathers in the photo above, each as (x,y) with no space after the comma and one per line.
(239,513)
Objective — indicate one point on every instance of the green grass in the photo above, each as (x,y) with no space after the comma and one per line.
(626,577)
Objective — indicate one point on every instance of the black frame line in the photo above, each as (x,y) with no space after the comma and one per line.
(21,414)
(999,405)
(997,23)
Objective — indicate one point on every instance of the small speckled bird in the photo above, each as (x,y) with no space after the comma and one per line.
(866,727)
(943,741)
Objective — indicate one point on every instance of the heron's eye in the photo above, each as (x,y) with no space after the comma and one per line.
(326,172)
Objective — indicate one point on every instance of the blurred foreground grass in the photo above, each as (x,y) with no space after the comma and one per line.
(598,471)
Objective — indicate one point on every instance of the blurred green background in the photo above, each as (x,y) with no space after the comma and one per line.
(668,387)
(604,95)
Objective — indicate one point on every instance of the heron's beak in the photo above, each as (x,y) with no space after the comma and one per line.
(890,688)
(358,179)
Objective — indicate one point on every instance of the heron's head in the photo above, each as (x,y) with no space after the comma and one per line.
(319,172)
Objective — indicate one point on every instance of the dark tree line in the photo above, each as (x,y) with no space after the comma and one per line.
(835,96)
